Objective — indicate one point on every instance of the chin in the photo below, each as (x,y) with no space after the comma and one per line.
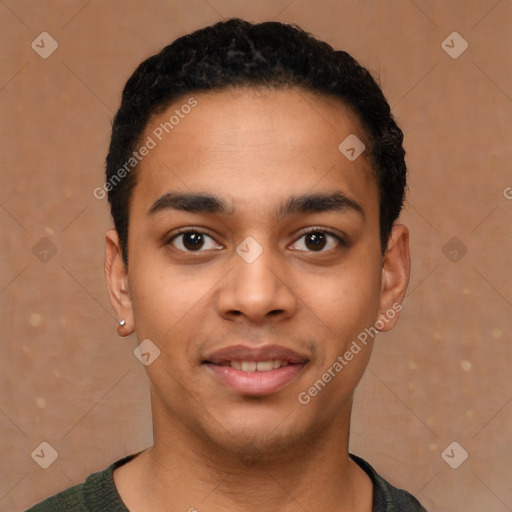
(259,437)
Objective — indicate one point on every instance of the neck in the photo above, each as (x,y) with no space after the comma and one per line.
(191,473)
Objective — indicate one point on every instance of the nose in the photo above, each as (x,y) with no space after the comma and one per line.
(257,289)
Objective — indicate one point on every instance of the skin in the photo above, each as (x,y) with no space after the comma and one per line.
(213,448)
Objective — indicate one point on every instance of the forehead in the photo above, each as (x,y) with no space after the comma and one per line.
(255,144)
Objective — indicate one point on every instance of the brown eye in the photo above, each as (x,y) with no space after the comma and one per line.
(317,240)
(193,241)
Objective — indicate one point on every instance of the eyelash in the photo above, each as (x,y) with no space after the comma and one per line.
(342,242)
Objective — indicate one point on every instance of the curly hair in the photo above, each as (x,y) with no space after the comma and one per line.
(237,53)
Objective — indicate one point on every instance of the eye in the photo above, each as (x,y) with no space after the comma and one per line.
(316,240)
(193,241)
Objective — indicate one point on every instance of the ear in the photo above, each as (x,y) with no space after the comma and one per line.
(116,273)
(396,267)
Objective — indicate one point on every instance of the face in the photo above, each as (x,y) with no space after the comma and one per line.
(254,265)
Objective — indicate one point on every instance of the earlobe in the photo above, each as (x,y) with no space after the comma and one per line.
(117,282)
(396,268)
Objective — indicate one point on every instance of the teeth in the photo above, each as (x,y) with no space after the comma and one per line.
(260,366)
(264,366)
(248,366)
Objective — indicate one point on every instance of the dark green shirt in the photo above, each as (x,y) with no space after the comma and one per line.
(99,494)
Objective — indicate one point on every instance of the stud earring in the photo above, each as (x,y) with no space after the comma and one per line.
(122,323)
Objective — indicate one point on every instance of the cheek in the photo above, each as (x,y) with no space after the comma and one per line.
(346,301)
(348,308)
(169,311)
(353,313)
(166,299)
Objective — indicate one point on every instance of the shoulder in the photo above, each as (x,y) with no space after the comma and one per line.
(70,499)
(97,494)
(386,497)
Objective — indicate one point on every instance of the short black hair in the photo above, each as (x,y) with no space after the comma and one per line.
(238,53)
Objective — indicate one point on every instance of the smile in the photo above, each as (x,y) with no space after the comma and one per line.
(256,366)
(255,371)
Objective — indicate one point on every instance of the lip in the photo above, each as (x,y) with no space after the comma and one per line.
(255,383)
(257,354)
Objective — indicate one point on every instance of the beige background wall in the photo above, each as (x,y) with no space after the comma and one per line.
(442,375)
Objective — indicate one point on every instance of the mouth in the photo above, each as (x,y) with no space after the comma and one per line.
(255,372)
(256,366)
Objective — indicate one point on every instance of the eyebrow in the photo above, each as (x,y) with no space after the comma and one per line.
(189,202)
(335,201)
(320,202)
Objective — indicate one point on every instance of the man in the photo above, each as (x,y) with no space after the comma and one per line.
(255,177)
